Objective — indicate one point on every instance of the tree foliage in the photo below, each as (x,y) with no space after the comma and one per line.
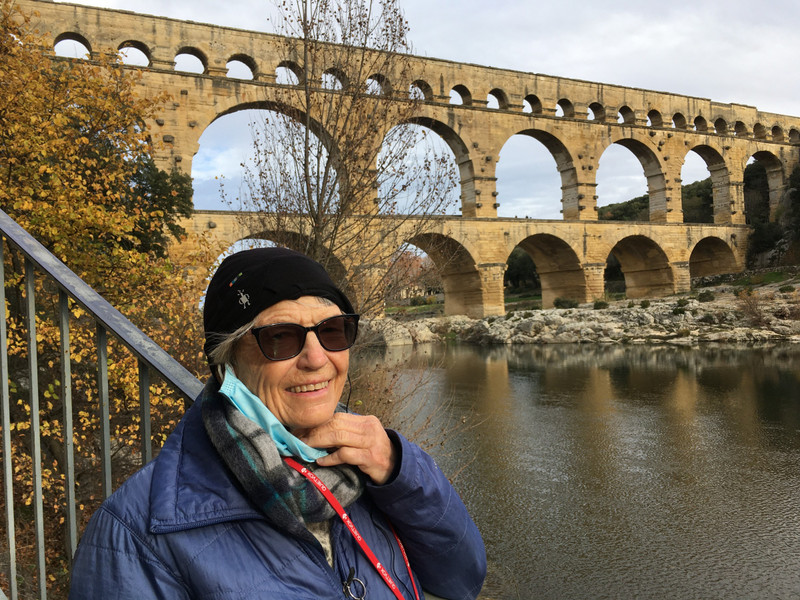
(337,167)
(76,171)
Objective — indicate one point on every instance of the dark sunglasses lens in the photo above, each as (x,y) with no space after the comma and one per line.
(337,333)
(278,342)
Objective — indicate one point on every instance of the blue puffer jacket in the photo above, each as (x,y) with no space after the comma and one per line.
(180,528)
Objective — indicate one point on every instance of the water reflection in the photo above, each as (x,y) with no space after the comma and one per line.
(620,472)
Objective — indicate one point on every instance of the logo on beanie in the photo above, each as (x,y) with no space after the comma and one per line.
(244,299)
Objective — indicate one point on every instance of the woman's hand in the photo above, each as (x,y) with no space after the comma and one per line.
(355,440)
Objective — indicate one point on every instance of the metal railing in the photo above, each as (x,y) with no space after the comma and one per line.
(151,358)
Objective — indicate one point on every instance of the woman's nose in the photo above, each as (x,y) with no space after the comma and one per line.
(313,355)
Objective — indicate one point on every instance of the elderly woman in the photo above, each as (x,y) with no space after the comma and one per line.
(267,488)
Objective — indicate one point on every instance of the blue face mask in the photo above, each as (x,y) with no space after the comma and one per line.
(253,408)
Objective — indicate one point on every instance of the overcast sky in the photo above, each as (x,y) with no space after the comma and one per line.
(725,50)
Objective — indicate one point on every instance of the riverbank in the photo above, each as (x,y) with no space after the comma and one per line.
(722,313)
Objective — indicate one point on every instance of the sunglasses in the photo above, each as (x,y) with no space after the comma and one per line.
(282,341)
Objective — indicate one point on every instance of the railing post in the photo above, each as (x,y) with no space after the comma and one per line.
(145,426)
(105,417)
(36,444)
(71,522)
(8,471)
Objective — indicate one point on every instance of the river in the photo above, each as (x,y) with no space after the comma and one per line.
(622,471)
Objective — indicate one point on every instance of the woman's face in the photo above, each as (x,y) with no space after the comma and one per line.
(301,392)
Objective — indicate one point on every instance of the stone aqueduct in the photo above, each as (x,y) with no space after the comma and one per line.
(575,120)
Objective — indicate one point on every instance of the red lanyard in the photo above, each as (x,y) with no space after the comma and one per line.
(323,489)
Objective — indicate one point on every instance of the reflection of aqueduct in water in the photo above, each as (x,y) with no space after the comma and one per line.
(660,129)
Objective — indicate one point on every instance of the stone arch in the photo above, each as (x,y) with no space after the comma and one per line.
(382,83)
(720,181)
(72,36)
(564,164)
(501,97)
(740,129)
(759,131)
(721,126)
(679,121)
(645,266)
(599,112)
(464,93)
(291,67)
(248,61)
(626,115)
(776,179)
(711,256)
(137,45)
(794,136)
(334,78)
(464,288)
(655,118)
(654,174)
(466,169)
(567,108)
(424,90)
(196,53)
(700,124)
(532,104)
(559,268)
(777,133)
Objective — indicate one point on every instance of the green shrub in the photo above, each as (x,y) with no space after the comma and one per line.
(600,304)
(644,303)
(682,302)
(678,310)
(786,289)
(631,304)
(565,303)
(705,296)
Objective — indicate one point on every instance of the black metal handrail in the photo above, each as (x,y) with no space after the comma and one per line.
(108,320)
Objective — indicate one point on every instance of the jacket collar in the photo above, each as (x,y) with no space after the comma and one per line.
(191,485)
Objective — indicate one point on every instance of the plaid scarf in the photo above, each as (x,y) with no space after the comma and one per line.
(287,498)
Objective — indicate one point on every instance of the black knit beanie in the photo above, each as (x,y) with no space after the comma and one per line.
(250,281)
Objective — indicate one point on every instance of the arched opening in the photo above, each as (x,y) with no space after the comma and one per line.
(413,284)
(72,45)
(621,186)
(417,172)
(777,133)
(697,199)
(654,119)
(134,54)
(721,126)
(706,186)
(460,95)
(241,66)
(711,256)
(626,115)
(378,85)
(565,108)
(740,129)
(759,131)
(596,112)
(645,267)
(764,187)
(190,60)
(532,104)
(700,124)
(528,179)
(679,121)
(497,99)
(420,90)
(288,73)
(333,79)
(557,267)
(521,284)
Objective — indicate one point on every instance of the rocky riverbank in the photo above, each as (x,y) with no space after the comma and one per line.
(718,314)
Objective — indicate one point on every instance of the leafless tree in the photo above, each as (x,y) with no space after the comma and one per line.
(342,170)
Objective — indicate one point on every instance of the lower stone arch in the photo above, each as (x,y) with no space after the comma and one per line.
(711,256)
(464,292)
(560,271)
(645,266)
